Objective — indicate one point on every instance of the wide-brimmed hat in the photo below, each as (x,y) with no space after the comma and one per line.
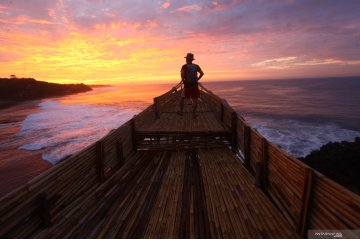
(190,56)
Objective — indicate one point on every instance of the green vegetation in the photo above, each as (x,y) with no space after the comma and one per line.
(21,89)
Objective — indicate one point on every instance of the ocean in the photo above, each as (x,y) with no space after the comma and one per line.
(299,115)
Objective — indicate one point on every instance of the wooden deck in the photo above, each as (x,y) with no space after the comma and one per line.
(171,130)
(161,175)
(171,122)
(184,194)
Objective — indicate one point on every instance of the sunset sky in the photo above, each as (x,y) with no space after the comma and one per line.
(118,41)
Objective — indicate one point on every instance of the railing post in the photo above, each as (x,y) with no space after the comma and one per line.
(265,159)
(120,153)
(247,148)
(156,108)
(306,200)
(222,112)
(44,209)
(100,161)
(234,119)
(259,175)
(133,134)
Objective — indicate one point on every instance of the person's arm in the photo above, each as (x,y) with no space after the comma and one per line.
(182,74)
(201,73)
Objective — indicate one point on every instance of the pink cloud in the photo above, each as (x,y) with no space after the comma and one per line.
(166,4)
(9,57)
(189,8)
(24,20)
(3,8)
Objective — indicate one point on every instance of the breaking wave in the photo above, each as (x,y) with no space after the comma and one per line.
(300,138)
(63,129)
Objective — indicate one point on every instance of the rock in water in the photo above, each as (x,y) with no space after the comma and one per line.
(340,161)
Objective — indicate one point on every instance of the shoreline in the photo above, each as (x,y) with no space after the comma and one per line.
(15,172)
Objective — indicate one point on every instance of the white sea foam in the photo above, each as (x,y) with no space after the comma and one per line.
(62,129)
(300,138)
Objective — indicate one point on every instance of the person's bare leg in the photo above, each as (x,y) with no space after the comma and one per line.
(195,103)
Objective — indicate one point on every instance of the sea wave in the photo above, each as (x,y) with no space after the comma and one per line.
(63,129)
(300,138)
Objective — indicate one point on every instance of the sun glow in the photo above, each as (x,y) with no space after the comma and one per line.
(135,41)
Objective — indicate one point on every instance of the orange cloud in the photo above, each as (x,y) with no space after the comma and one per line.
(133,40)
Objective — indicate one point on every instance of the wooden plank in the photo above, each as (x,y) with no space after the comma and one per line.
(234,142)
(247,147)
(265,159)
(100,161)
(156,108)
(305,208)
(44,210)
(133,134)
(120,153)
(259,175)
(222,112)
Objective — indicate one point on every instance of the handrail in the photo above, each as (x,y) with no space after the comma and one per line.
(209,92)
(296,188)
(172,90)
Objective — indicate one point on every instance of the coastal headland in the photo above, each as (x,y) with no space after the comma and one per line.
(15,90)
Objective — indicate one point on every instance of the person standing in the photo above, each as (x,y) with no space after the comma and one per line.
(190,78)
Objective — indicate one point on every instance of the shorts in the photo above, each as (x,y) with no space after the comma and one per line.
(191,92)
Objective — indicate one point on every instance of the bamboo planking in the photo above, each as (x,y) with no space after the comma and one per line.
(240,209)
(240,134)
(122,134)
(213,103)
(98,201)
(76,174)
(256,147)
(177,194)
(64,183)
(166,223)
(173,107)
(333,207)
(163,201)
(145,116)
(172,122)
(286,183)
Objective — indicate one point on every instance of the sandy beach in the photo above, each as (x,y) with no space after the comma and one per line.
(16,171)
(17,166)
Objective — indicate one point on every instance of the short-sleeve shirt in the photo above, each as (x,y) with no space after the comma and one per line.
(189,72)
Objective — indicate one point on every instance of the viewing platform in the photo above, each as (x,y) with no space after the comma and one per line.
(162,175)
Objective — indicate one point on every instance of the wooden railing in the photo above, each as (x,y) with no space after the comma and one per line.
(48,197)
(307,199)
(51,195)
(166,99)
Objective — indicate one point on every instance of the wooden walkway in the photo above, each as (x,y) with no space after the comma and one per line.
(170,122)
(184,194)
(161,175)
(171,130)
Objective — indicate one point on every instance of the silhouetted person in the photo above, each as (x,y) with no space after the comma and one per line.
(190,78)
